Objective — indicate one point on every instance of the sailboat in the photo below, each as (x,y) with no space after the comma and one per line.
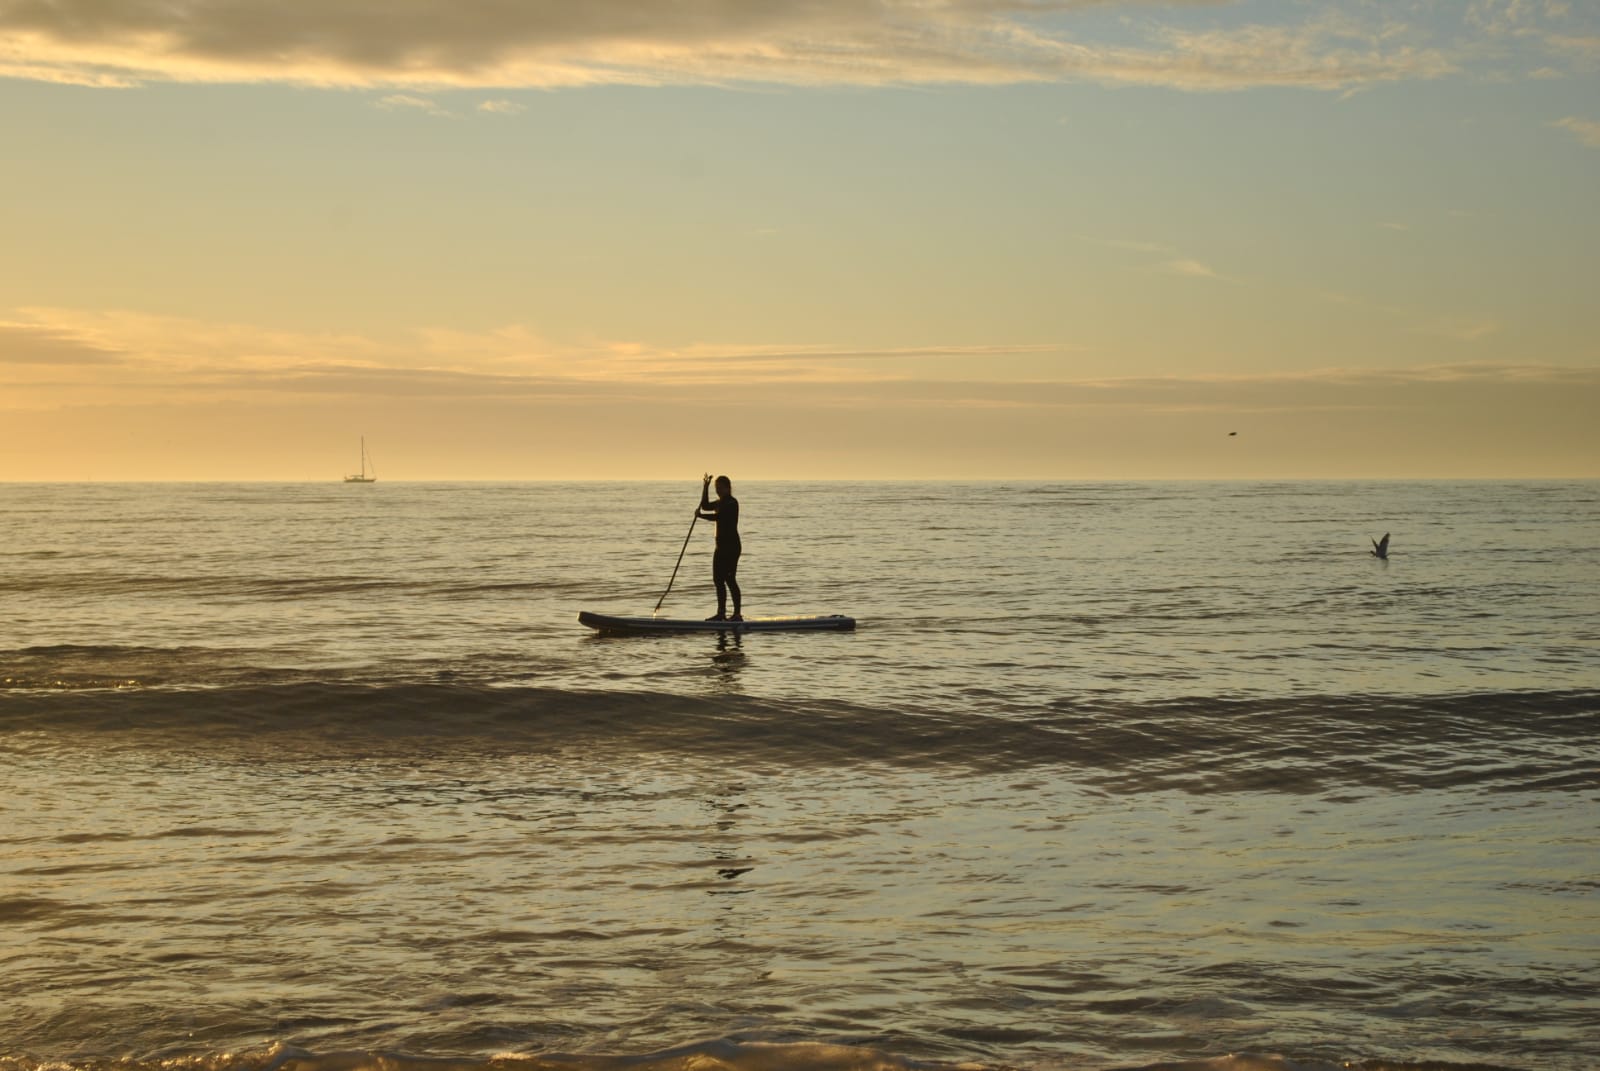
(363,477)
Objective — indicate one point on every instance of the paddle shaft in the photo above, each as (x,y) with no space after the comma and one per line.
(685,547)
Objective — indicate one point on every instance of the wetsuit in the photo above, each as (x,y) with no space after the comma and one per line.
(725,561)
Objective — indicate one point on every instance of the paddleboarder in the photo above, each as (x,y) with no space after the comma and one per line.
(725,560)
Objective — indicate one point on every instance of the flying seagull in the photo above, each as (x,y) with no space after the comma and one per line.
(1380,547)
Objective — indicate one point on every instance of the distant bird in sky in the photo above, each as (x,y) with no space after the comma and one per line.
(1233,433)
(1380,547)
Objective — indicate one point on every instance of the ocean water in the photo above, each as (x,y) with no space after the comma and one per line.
(1110,775)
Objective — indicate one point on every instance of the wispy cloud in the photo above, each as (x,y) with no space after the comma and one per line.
(1585,47)
(1585,130)
(1187,44)
(1194,269)
(58,357)
(406,102)
(1163,258)
(41,344)
(55,355)
(1456,327)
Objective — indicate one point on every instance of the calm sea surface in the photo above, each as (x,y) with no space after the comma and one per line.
(1178,775)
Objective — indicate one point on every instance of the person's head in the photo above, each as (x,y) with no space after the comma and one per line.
(724,487)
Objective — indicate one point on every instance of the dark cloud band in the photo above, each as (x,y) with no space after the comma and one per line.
(1198,44)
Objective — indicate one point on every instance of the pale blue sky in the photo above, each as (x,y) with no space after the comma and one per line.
(886,222)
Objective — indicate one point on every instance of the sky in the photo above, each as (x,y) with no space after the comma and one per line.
(819,239)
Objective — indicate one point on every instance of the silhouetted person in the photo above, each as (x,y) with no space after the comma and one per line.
(725,561)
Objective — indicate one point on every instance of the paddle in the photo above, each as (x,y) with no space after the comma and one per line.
(685,547)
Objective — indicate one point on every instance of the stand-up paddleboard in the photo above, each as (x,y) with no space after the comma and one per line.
(637,625)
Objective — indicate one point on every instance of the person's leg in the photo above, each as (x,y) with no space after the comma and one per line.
(731,575)
(719,576)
